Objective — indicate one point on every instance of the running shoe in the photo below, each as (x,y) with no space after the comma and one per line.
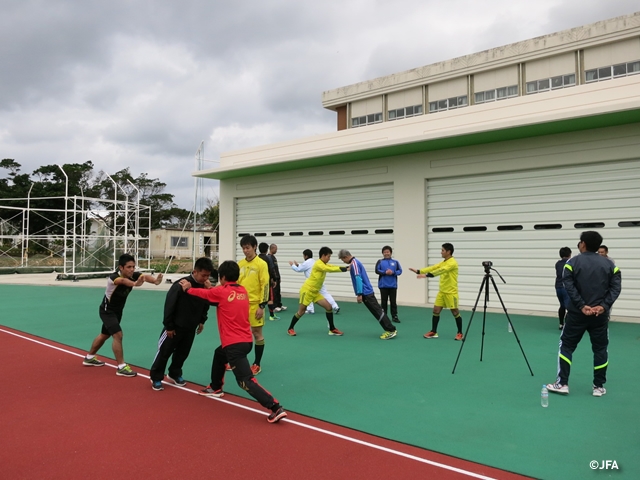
(274,318)
(157,385)
(255,369)
(336,310)
(388,335)
(459,336)
(335,332)
(283,308)
(227,367)
(94,362)
(291,332)
(125,371)
(599,391)
(276,416)
(210,392)
(178,381)
(277,309)
(431,335)
(557,388)
(396,320)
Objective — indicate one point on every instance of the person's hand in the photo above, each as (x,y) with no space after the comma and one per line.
(158,279)
(140,281)
(421,276)
(185,285)
(199,329)
(207,283)
(587,310)
(259,313)
(389,272)
(414,270)
(359,299)
(599,310)
(171,333)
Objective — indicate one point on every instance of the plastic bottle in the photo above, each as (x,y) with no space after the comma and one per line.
(544,396)
(509,329)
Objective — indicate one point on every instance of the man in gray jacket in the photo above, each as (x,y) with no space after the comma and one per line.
(593,283)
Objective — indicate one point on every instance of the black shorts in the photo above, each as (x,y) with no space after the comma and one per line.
(110,321)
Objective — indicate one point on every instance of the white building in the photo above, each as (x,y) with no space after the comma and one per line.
(178,243)
(509,154)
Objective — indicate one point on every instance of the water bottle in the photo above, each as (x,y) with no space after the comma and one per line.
(509,329)
(544,396)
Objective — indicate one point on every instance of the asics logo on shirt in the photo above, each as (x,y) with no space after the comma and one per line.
(236,296)
(231,297)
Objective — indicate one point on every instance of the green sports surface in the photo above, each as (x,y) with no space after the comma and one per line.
(402,389)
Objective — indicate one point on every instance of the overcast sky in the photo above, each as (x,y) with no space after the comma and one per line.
(139,84)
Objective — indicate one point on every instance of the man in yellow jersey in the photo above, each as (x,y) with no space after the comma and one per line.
(310,291)
(254,277)
(448,295)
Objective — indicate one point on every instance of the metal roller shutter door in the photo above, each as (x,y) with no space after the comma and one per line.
(528,217)
(359,219)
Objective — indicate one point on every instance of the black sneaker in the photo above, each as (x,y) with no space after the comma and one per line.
(277,415)
(210,392)
(157,385)
(94,362)
(396,320)
(125,371)
(178,381)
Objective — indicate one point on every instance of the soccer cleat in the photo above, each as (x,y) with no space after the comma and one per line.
(178,381)
(283,308)
(291,332)
(227,367)
(388,335)
(335,332)
(277,415)
(274,317)
(431,335)
(459,336)
(210,392)
(255,369)
(157,385)
(557,388)
(94,362)
(599,391)
(125,371)
(336,310)
(395,320)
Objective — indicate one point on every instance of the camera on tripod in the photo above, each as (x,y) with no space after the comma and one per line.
(487,265)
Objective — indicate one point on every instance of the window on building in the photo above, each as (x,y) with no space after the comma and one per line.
(553,83)
(496,94)
(180,242)
(448,104)
(405,112)
(612,71)
(366,120)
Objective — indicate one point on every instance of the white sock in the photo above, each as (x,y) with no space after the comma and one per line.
(89,357)
(122,365)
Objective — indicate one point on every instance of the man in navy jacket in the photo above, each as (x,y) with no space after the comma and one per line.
(388,270)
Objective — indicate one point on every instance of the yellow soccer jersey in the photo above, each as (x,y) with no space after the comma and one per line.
(318,273)
(254,277)
(448,272)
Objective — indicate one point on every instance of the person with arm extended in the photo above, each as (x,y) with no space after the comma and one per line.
(305,267)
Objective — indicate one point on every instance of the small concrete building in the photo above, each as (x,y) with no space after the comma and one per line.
(509,154)
(174,242)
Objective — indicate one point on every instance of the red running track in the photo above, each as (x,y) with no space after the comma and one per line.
(63,420)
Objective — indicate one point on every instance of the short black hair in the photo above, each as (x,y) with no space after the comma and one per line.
(125,258)
(307,253)
(203,264)
(387,247)
(448,247)
(248,240)
(263,247)
(565,252)
(592,240)
(324,251)
(229,270)
(606,249)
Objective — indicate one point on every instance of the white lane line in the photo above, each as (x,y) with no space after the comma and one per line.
(300,424)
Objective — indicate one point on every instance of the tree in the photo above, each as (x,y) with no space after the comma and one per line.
(212,213)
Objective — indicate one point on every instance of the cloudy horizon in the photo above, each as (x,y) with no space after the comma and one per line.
(141,84)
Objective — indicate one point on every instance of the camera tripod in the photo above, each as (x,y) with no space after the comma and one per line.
(485,286)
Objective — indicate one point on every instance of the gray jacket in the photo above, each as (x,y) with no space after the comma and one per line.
(591,279)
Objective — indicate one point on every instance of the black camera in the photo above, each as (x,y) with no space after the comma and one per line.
(487,264)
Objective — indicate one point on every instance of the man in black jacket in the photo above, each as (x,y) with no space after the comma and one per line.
(593,283)
(184,317)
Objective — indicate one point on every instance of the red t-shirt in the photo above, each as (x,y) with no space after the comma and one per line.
(233,311)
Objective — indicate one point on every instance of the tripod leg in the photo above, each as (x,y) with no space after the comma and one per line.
(495,287)
(484,312)
(473,312)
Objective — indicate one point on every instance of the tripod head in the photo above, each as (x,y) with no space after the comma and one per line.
(487,266)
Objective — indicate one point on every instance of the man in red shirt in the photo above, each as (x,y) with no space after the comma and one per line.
(232,301)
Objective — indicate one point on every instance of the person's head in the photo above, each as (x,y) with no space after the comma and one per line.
(386,252)
(273,249)
(228,272)
(307,253)
(249,245)
(263,247)
(565,252)
(202,269)
(345,255)
(127,264)
(325,254)
(447,250)
(590,241)
(603,250)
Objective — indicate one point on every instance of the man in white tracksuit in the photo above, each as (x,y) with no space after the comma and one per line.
(305,267)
